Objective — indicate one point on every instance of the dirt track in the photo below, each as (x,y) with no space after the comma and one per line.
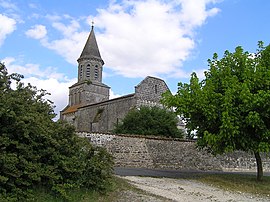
(184,190)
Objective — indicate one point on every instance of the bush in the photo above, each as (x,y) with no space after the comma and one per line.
(150,121)
(36,151)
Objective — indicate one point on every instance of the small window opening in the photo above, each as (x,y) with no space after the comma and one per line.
(156,89)
(96,72)
(81,71)
(88,71)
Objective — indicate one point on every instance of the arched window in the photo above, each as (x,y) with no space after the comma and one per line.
(96,72)
(88,71)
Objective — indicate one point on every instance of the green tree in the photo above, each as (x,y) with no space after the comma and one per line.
(230,108)
(36,151)
(150,121)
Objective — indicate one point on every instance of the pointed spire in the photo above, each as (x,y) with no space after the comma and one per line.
(90,49)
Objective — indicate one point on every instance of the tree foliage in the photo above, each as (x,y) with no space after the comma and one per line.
(149,121)
(230,108)
(36,151)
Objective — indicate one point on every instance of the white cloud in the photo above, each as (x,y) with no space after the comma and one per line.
(200,73)
(137,38)
(138,41)
(53,17)
(59,90)
(29,70)
(69,30)
(8,5)
(11,10)
(112,95)
(179,73)
(55,83)
(194,13)
(37,32)
(7,26)
(72,42)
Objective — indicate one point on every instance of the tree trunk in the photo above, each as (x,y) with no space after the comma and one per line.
(259,166)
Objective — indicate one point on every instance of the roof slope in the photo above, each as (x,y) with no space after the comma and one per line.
(90,49)
(71,109)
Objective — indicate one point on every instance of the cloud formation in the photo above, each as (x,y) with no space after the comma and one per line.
(71,42)
(55,83)
(37,32)
(113,95)
(8,5)
(71,45)
(136,38)
(151,37)
(58,89)
(7,26)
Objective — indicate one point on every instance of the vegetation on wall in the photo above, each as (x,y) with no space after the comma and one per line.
(230,108)
(149,121)
(38,152)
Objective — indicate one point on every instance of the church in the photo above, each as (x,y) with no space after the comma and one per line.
(89,108)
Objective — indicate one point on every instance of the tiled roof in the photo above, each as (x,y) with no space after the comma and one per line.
(72,109)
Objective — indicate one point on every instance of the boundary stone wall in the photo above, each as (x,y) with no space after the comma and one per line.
(168,153)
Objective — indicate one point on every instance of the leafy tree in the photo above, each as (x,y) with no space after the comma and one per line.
(230,108)
(36,151)
(149,121)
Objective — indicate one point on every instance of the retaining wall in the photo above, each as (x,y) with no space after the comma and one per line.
(166,153)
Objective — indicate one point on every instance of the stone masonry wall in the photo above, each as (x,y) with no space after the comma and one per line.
(165,153)
(242,161)
(151,89)
(103,116)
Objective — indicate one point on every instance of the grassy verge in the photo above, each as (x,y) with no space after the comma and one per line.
(238,183)
(41,195)
(84,195)
(231,182)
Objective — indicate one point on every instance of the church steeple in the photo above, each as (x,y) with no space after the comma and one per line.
(89,88)
(90,62)
(90,50)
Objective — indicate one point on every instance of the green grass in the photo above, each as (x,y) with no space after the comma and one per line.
(42,195)
(113,193)
(232,182)
(238,183)
(83,195)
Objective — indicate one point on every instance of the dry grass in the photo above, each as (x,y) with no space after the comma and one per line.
(239,183)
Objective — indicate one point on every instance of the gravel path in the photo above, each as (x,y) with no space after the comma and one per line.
(183,190)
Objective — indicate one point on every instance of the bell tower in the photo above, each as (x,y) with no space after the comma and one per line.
(90,62)
(89,88)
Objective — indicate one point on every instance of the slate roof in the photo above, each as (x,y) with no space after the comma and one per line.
(90,49)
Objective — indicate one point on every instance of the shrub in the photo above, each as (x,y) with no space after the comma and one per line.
(36,151)
(150,121)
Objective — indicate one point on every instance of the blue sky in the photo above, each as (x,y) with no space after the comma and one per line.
(165,38)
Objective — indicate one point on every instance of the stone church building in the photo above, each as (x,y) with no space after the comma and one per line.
(89,108)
